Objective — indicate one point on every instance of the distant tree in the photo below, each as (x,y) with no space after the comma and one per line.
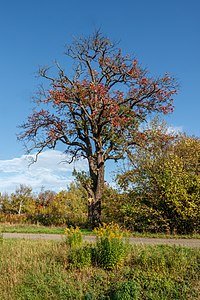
(65,207)
(96,113)
(72,205)
(5,204)
(22,200)
(45,198)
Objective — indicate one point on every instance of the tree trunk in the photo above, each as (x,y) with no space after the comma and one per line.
(94,203)
(20,207)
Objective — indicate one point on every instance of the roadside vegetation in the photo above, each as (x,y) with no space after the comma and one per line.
(109,269)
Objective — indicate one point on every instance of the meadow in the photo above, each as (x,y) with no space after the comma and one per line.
(37,270)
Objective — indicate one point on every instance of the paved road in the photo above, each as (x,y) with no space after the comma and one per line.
(89,238)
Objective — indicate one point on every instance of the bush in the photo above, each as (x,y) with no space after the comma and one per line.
(111,249)
(140,217)
(58,219)
(14,218)
(49,219)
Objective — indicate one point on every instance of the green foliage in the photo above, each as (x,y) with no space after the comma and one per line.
(71,202)
(159,287)
(112,202)
(111,249)
(180,195)
(164,183)
(164,259)
(20,202)
(141,217)
(73,236)
(66,207)
(49,218)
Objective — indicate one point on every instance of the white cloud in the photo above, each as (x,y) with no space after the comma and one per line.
(175,129)
(49,171)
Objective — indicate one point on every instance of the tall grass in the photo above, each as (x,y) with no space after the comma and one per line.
(37,270)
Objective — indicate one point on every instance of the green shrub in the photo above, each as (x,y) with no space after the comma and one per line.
(58,219)
(111,249)
(73,236)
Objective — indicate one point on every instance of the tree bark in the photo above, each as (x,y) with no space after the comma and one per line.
(20,207)
(94,203)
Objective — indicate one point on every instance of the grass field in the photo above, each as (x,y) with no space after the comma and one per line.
(38,270)
(60,230)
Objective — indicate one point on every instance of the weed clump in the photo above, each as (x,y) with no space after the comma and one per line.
(111,246)
(73,236)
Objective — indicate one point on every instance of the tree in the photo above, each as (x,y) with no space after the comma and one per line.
(5,204)
(164,179)
(45,198)
(22,200)
(97,112)
(143,161)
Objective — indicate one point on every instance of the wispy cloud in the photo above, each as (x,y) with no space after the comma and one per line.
(50,171)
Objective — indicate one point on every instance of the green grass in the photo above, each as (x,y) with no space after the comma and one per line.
(37,270)
(36,229)
(60,230)
(166,236)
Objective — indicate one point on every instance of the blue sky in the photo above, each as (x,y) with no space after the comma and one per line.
(163,35)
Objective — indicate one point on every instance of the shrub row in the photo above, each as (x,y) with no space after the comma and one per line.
(45,219)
